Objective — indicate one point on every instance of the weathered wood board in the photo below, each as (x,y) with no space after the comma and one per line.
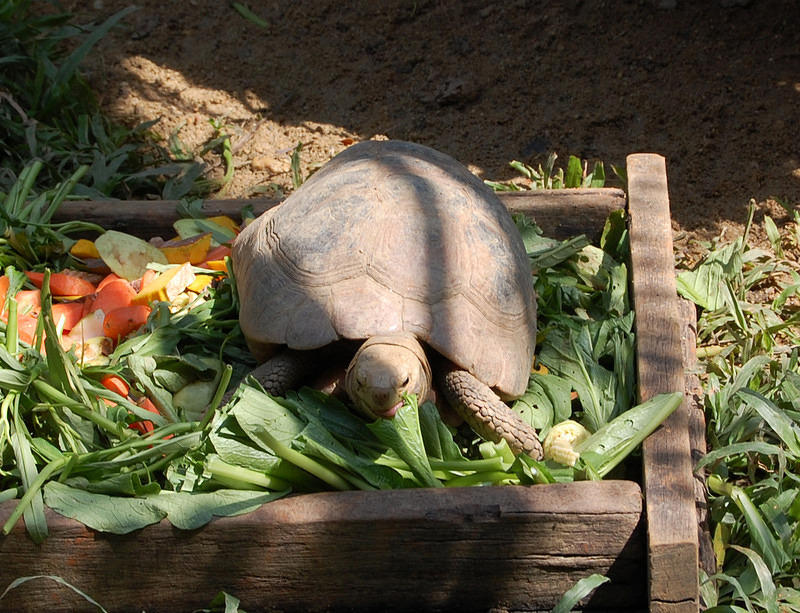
(668,482)
(465,549)
(560,213)
(470,549)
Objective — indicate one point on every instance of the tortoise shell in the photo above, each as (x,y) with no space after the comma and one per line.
(392,236)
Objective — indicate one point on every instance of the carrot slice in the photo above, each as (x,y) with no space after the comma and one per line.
(62,284)
(5,282)
(29,301)
(120,322)
(26,327)
(145,426)
(146,403)
(115,383)
(108,279)
(68,312)
(114,294)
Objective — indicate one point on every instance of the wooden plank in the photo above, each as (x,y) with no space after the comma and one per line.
(563,213)
(697,432)
(466,549)
(667,470)
(560,213)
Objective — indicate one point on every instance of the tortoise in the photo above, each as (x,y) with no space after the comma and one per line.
(400,246)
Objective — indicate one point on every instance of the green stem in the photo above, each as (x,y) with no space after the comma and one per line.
(38,483)
(493,478)
(57,397)
(223,471)
(11,327)
(301,461)
(224,380)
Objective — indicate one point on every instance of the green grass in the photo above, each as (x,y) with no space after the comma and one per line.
(749,339)
(48,113)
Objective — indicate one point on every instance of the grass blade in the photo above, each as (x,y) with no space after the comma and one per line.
(784,427)
(768,589)
(67,69)
(577,592)
(20,580)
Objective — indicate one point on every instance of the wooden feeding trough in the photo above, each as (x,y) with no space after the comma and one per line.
(462,549)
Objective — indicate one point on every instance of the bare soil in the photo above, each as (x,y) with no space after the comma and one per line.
(713,86)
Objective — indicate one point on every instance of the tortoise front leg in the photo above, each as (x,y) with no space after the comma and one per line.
(486,414)
(285,371)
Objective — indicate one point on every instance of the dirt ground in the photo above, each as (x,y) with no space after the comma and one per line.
(714,86)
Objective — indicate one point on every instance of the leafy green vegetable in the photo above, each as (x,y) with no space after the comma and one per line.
(121,515)
(403,435)
(610,444)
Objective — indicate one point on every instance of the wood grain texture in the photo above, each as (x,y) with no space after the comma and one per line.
(466,549)
(560,213)
(697,432)
(667,469)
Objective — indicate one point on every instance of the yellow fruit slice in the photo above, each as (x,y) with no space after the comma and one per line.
(192,249)
(166,286)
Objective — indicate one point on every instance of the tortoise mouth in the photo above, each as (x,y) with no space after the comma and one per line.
(387,413)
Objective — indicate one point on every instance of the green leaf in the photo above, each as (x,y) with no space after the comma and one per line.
(765,543)
(546,401)
(223,599)
(736,448)
(612,443)
(705,284)
(768,589)
(102,512)
(577,592)
(402,434)
(121,515)
(570,354)
(274,428)
(318,442)
(35,521)
(597,178)
(574,175)
(783,427)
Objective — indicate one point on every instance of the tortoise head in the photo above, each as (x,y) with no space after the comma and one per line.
(382,370)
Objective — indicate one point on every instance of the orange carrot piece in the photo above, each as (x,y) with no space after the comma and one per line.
(29,301)
(5,282)
(26,327)
(120,322)
(70,312)
(115,383)
(114,294)
(145,426)
(146,403)
(62,284)
(108,279)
